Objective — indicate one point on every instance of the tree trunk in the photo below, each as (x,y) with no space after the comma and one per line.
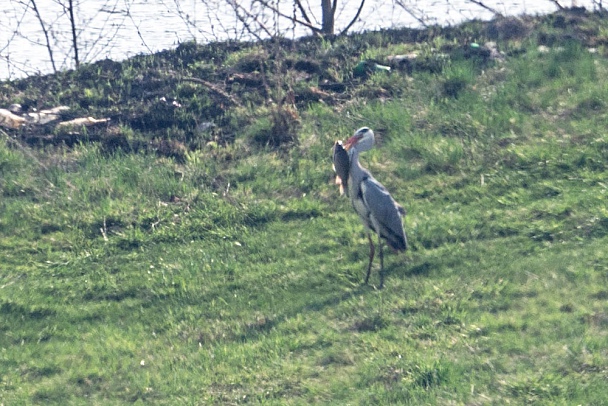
(328,17)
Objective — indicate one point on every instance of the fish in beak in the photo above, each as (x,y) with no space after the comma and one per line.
(341,165)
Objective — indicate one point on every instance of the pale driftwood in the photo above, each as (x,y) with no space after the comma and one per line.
(83,121)
(10,120)
(45,116)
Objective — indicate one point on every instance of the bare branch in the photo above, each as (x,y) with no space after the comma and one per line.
(270,7)
(128,13)
(490,9)
(46,34)
(92,51)
(418,15)
(301,8)
(19,66)
(16,31)
(243,21)
(354,18)
(559,6)
(214,88)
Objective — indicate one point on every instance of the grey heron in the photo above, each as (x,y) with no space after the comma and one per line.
(377,209)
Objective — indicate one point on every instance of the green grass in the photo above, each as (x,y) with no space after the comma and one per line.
(234,274)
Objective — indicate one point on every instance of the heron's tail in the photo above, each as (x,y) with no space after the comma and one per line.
(398,242)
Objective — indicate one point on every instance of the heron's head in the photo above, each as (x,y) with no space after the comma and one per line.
(363,140)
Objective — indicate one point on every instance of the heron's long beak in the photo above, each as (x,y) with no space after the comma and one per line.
(351,141)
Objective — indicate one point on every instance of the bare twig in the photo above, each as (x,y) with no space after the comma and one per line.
(354,18)
(238,9)
(193,19)
(214,88)
(22,67)
(92,51)
(315,30)
(417,14)
(46,34)
(559,6)
(15,32)
(128,13)
(298,3)
(27,152)
(490,9)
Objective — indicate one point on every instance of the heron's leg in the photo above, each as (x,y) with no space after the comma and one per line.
(381,262)
(372,251)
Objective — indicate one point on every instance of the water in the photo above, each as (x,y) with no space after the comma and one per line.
(118,29)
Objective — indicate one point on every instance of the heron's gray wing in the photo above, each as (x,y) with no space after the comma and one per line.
(341,166)
(384,212)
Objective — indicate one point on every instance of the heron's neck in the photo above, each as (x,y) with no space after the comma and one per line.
(354,159)
(356,171)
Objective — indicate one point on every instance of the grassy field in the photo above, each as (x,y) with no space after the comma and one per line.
(152,263)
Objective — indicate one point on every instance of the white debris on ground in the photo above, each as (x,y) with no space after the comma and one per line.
(83,121)
(14,118)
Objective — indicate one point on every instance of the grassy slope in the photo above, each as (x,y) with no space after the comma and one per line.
(235,276)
